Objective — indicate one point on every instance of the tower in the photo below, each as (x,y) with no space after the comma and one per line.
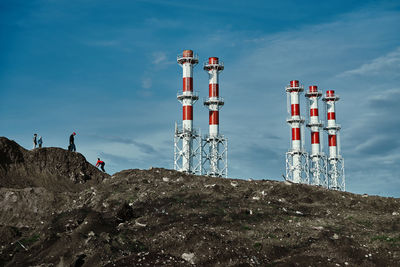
(187,141)
(318,164)
(215,147)
(336,178)
(297,169)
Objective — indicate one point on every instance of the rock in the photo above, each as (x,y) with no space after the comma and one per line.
(165,179)
(209,185)
(140,224)
(256,198)
(234,184)
(335,236)
(189,257)
(395,213)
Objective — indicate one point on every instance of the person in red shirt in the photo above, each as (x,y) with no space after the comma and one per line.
(101,164)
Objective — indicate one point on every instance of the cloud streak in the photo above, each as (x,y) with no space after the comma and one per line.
(382,65)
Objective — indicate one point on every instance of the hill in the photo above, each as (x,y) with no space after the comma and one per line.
(52,215)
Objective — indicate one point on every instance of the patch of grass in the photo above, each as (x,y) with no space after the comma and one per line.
(218,212)
(365,223)
(245,227)
(30,240)
(272,236)
(257,246)
(384,238)
(179,199)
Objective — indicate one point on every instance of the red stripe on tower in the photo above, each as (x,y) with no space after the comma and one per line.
(294,83)
(314,137)
(214,117)
(331,116)
(296,134)
(187,84)
(213,60)
(332,140)
(295,109)
(313,112)
(330,93)
(187,113)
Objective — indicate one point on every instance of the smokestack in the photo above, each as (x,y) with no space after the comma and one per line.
(187,61)
(318,159)
(214,103)
(336,162)
(296,157)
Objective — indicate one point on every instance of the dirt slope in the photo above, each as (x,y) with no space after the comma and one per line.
(162,217)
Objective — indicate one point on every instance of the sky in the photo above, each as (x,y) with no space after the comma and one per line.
(107,70)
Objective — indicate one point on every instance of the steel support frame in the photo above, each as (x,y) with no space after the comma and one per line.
(303,166)
(337,179)
(215,156)
(195,154)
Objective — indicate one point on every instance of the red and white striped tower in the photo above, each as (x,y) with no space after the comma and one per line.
(318,159)
(217,158)
(296,157)
(336,162)
(187,61)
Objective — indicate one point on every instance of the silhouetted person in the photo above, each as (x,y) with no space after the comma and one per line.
(40,142)
(72,146)
(34,141)
(101,164)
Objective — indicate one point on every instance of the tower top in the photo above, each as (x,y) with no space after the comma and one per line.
(213,63)
(188,56)
(313,91)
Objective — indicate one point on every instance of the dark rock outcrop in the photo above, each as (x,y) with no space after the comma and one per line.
(52,168)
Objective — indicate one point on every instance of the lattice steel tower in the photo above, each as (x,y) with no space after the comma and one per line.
(215,146)
(318,164)
(336,177)
(187,141)
(297,169)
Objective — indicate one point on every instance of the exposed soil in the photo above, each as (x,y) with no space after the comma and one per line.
(56,209)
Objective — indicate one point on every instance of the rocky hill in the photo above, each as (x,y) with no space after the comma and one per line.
(56,209)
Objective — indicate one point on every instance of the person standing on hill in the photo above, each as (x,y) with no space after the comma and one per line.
(34,141)
(72,146)
(40,142)
(101,164)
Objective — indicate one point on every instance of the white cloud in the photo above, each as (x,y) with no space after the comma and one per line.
(387,63)
(159,57)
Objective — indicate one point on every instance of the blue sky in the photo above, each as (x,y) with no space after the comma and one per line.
(108,71)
